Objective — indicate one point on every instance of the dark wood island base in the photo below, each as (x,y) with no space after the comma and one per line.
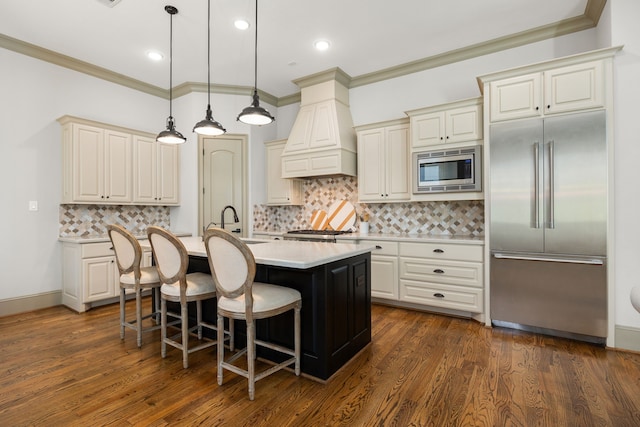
(336,312)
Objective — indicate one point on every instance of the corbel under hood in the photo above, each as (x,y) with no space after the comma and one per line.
(322,140)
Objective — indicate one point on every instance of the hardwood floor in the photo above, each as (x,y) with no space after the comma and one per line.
(60,368)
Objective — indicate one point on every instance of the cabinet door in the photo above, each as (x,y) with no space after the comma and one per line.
(280,191)
(384,277)
(371,165)
(168,186)
(427,129)
(396,160)
(463,124)
(117,166)
(144,166)
(576,87)
(99,278)
(516,97)
(88,163)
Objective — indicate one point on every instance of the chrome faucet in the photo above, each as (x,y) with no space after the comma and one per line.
(235,215)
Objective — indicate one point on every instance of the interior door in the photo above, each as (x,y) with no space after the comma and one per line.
(223,177)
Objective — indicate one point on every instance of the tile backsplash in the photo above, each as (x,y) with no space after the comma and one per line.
(461,217)
(92,220)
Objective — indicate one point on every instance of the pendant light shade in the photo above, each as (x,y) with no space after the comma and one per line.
(170,135)
(255,114)
(209,126)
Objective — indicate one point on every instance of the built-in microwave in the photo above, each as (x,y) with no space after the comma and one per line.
(456,169)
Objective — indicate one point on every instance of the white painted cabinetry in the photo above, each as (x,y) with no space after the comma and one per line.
(156,166)
(446,124)
(384,269)
(90,274)
(571,88)
(96,164)
(280,191)
(106,164)
(442,275)
(383,156)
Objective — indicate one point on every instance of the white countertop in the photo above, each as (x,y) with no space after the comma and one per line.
(105,238)
(404,237)
(291,254)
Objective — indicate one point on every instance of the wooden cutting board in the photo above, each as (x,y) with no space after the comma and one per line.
(319,219)
(342,215)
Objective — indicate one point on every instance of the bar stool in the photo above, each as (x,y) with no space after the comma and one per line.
(133,277)
(233,269)
(177,286)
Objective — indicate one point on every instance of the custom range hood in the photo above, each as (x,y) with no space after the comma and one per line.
(322,139)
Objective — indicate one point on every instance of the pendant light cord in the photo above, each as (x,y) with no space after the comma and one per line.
(209,54)
(170,65)
(255,59)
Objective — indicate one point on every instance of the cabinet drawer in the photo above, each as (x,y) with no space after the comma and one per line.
(452,272)
(442,251)
(383,247)
(446,296)
(92,250)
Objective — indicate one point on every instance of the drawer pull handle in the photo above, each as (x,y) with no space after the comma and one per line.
(378,247)
(438,295)
(438,251)
(439,271)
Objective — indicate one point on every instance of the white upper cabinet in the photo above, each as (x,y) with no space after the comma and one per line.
(446,124)
(280,191)
(96,165)
(156,172)
(106,164)
(383,155)
(559,90)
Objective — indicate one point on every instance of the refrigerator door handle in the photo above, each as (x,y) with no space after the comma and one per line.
(536,184)
(550,196)
(592,261)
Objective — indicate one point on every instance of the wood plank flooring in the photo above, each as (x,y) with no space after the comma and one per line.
(60,368)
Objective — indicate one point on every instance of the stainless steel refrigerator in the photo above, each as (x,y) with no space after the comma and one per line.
(548,222)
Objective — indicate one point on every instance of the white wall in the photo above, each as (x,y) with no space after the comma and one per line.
(34,95)
(625,31)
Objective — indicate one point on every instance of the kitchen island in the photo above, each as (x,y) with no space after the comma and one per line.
(335,283)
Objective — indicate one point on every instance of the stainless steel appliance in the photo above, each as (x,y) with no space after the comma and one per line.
(448,170)
(548,220)
(328,236)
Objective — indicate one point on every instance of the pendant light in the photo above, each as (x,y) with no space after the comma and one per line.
(209,126)
(170,135)
(255,114)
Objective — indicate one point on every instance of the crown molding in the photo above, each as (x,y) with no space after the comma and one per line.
(80,66)
(589,19)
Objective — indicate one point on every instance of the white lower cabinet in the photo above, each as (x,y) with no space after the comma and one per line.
(90,274)
(434,275)
(384,269)
(442,275)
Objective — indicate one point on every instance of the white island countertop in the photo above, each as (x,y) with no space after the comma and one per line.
(287,253)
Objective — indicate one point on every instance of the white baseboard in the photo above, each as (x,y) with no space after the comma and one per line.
(30,303)
(627,338)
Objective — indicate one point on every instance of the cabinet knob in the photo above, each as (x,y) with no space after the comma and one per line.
(447,136)
(537,108)
(378,247)
(438,271)
(441,138)
(438,295)
(548,107)
(438,251)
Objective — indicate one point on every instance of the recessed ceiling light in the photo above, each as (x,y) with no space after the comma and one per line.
(322,44)
(241,24)
(154,55)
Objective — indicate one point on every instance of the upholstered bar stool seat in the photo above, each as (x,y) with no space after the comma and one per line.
(233,269)
(135,278)
(172,262)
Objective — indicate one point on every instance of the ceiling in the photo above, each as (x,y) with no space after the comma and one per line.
(367,36)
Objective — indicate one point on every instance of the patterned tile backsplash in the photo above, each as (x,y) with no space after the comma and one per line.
(92,220)
(464,217)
